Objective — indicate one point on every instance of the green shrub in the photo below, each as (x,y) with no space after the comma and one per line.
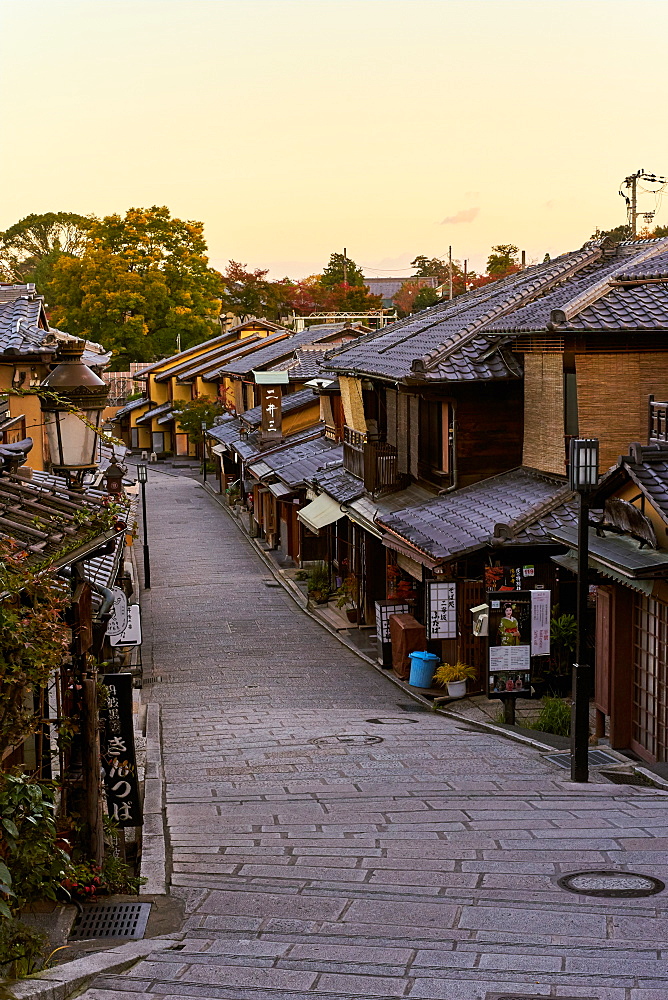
(555,717)
(36,866)
(22,949)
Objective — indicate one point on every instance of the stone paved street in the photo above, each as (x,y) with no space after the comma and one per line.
(331,839)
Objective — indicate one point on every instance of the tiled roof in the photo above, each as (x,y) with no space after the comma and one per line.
(134,404)
(281,348)
(298,463)
(289,404)
(306,364)
(388,287)
(511,507)
(53,525)
(157,411)
(339,484)
(22,327)
(656,268)
(470,337)
(648,467)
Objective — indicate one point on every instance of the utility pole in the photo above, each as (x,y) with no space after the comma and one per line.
(450,272)
(345,266)
(466,275)
(631,182)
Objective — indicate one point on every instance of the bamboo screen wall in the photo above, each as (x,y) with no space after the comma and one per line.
(544,447)
(353,407)
(613,392)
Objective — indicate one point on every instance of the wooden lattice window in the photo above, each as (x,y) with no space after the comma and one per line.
(650,680)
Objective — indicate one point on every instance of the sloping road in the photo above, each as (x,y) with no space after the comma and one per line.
(332,840)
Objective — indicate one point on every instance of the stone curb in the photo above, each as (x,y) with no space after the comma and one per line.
(72,977)
(154,851)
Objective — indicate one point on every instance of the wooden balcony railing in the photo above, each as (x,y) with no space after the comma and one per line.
(353,451)
(658,423)
(374,462)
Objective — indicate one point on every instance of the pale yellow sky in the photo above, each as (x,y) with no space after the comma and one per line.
(293,128)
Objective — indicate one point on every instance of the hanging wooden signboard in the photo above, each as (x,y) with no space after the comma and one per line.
(119,763)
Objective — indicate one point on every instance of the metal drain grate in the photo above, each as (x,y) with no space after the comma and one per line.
(597,758)
(154,679)
(412,706)
(120,920)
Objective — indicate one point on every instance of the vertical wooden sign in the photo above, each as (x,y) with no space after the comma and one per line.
(272,422)
(119,763)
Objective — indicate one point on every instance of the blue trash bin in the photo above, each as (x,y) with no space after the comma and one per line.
(423,665)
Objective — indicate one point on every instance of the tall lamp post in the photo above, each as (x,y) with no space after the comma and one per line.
(583,478)
(142,476)
(203,425)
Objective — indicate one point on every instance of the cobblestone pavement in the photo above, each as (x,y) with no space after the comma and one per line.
(333,840)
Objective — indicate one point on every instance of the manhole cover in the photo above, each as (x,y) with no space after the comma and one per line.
(122,920)
(528,996)
(347,739)
(391,722)
(597,758)
(601,883)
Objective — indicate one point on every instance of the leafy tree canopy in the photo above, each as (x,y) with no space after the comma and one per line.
(342,270)
(431,267)
(503,260)
(194,413)
(142,281)
(29,248)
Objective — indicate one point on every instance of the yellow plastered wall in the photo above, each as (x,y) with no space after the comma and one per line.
(31,408)
(544,443)
(157,391)
(353,406)
(308,417)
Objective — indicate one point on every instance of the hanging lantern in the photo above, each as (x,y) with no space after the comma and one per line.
(73,441)
(113,478)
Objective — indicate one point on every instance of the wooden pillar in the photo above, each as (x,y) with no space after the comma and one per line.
(91,771)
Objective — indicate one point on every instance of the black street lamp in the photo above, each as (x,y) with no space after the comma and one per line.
(142,476)
(203,425)
(583,478)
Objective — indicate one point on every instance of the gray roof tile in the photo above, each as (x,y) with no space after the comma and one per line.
(289,404)
(466,520)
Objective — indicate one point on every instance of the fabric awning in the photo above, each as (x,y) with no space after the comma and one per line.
(321,511)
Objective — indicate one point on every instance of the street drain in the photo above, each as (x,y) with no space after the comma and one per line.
(346,739)
(155,679)
(412,706)
(597,758)
(391,722)
(120,920)
(626,885)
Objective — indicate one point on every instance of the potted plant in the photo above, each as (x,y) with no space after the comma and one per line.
(454,676)
(318,584)
(346,597)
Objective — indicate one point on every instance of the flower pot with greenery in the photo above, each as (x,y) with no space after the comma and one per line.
(319,588)
(346,597)
(454,676)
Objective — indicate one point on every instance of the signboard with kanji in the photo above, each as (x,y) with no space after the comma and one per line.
(442,621)
(272,426)
(119,763)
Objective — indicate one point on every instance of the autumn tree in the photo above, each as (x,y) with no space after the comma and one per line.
(30,248)
(413,296)
(141,286)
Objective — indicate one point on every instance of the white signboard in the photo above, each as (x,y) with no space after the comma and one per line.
(384,609)
(442,610)
(540,622)
(506,658)
(131,636)
(119,615)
